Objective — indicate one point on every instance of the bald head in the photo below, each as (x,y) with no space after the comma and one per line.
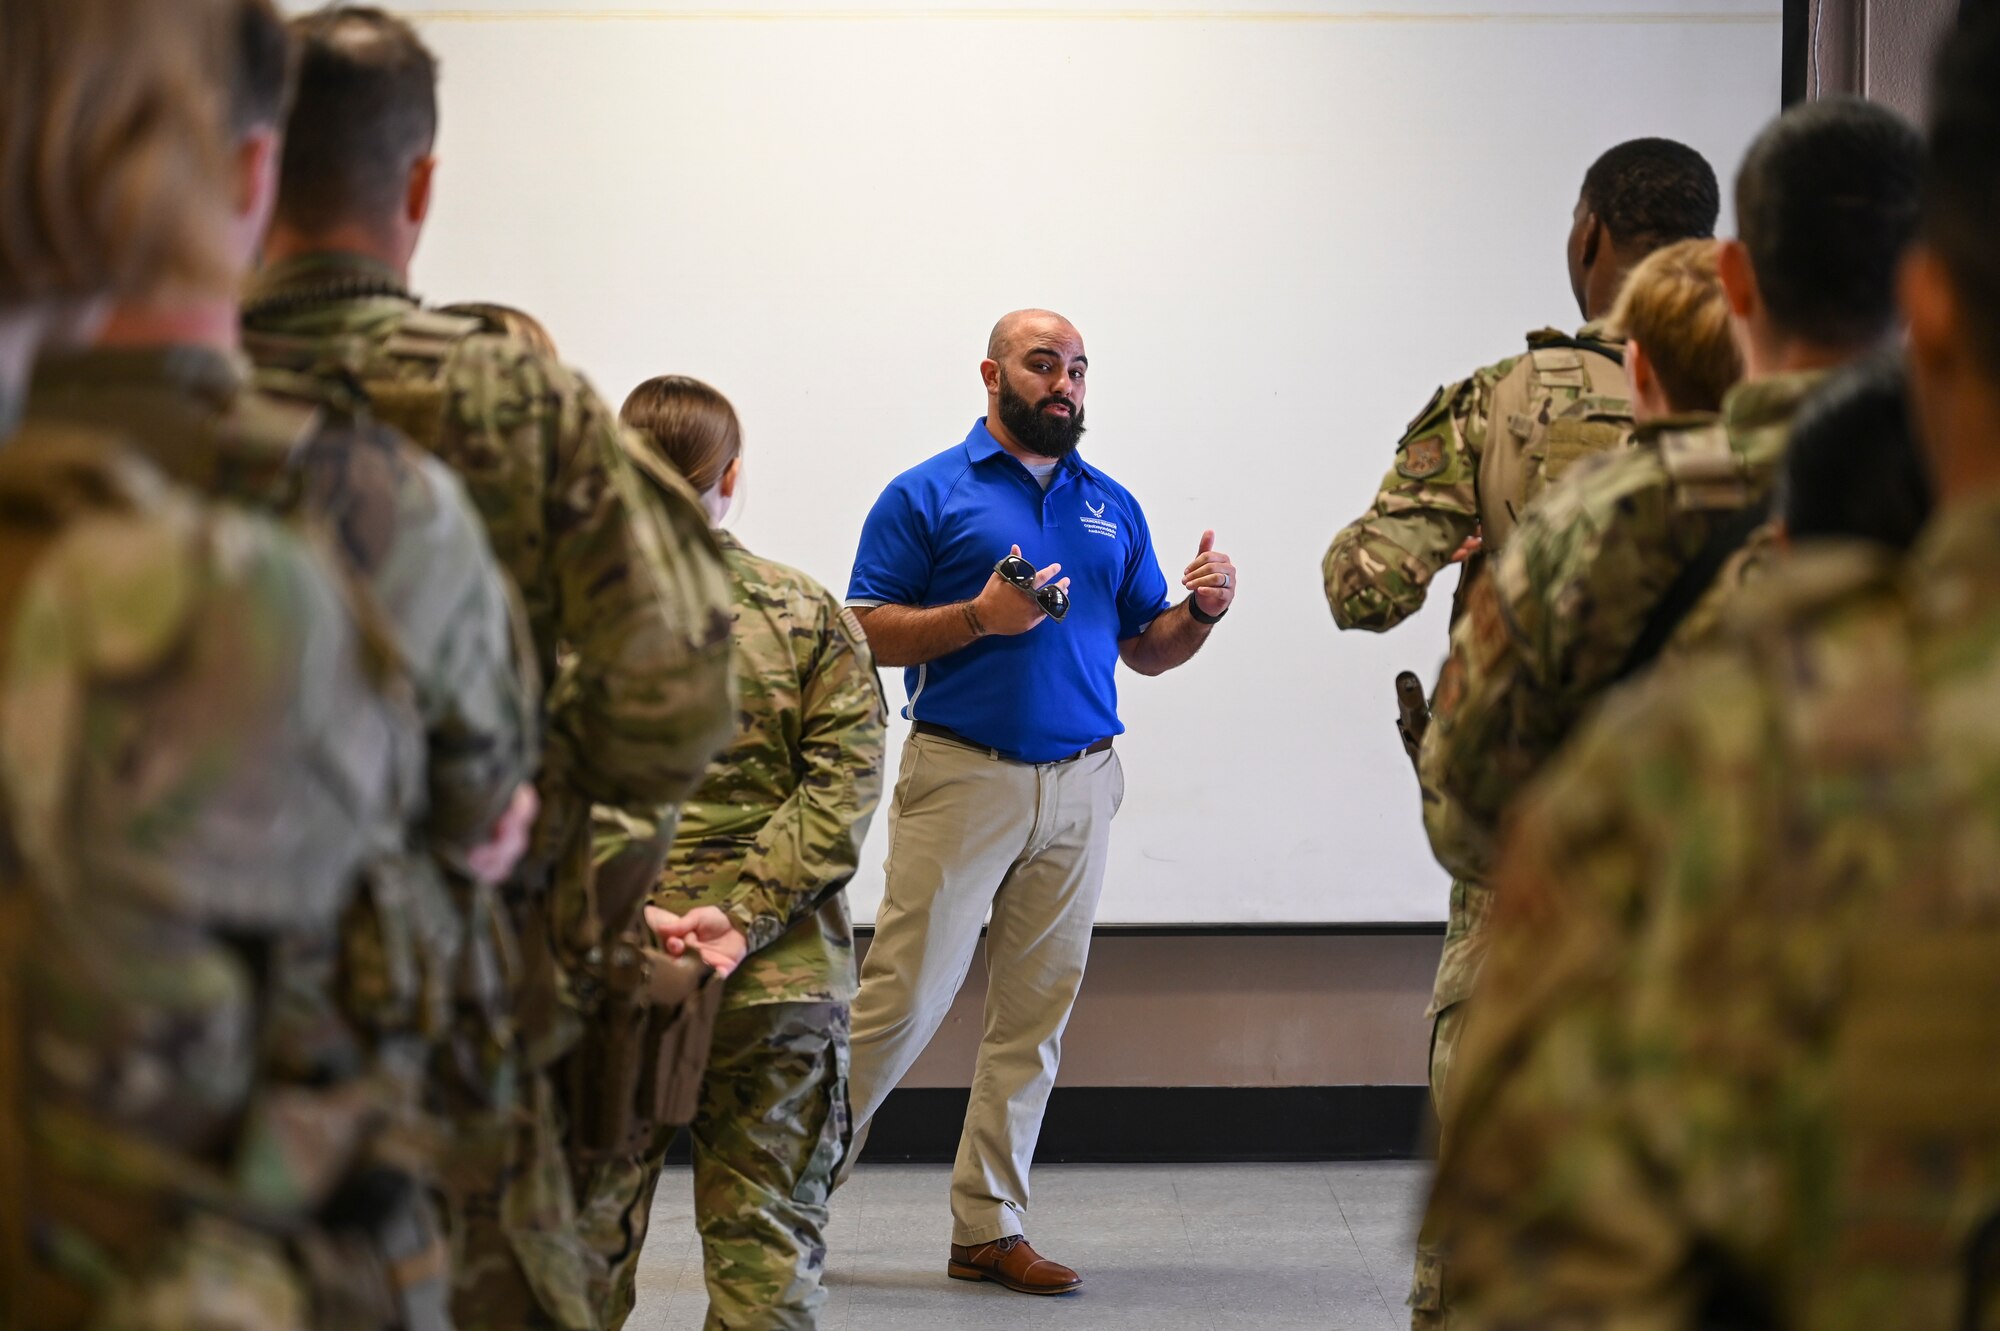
(1013,328)
(1034,372)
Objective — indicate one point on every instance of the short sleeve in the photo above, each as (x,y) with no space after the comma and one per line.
(893,564)
(1142,597)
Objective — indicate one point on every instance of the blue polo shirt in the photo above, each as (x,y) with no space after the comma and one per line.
(933,538)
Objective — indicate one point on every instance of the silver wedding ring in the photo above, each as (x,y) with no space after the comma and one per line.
(1225,582)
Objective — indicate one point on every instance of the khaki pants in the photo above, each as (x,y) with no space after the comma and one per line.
(969,832)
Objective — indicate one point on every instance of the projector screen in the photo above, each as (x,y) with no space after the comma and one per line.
(1278,230)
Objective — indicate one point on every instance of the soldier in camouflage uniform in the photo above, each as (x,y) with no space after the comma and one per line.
(1602,574)
(420,952)
(1734,1061)
(200,749)
(624,588)
(764,850)
(1483,448)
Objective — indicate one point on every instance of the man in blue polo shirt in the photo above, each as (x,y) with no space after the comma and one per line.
(1009,778)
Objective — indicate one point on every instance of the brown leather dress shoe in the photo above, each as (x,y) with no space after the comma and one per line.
(1012,1263)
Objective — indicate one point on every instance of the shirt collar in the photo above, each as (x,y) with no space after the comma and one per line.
(980,445)
(1956,557)
(1759,404)
(326,276)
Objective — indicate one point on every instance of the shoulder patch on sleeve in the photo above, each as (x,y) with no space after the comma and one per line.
(1421,459)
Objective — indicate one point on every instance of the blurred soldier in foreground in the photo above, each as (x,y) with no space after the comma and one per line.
(418,954)
(625,594)
(1734,1059)
(200,749)
(761,864)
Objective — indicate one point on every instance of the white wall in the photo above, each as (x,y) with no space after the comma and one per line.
(1278,231)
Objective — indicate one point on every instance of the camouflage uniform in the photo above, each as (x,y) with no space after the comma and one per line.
(1574,593)
(405,527)
(771,838)
(1457,475)
(1735,1060)
(200,749)
(625,598)
(1469,464)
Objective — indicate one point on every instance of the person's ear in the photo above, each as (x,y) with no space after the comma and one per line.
(1649,395)
(1930,307)
(1639,368)
(731,474)
(417,193)
(1738,277)
(1935,349)
(989,371)
(1593,240)
(257,156)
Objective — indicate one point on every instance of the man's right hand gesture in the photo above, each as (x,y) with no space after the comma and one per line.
(1002,609)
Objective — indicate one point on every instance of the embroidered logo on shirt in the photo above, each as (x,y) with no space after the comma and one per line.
(1096,521)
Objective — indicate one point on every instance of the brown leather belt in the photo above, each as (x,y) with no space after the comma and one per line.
(950,736)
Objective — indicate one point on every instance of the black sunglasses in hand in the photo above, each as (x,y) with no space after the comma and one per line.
(1018,571)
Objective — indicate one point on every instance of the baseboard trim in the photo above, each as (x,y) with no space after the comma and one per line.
(1353,929)
(1170,1124)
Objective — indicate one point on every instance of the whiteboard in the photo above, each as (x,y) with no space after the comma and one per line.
(1278,230)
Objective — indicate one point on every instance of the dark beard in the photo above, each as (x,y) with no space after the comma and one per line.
(1041,434)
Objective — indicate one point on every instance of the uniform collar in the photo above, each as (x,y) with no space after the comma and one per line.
(175,379)
(1763,404)
(192,410)
(980,445)
(306,279)
(1956,564)
(726,539)
(1648,432)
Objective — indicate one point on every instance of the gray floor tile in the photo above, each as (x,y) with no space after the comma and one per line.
(1162,1248)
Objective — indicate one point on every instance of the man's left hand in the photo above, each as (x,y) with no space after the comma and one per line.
(1211,578)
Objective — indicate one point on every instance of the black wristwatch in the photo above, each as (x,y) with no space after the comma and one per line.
(1202,616)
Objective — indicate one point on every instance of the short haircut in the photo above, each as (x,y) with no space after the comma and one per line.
(1826,203)
(688,423)
(114,162)
(1854,468)
(365,111)
(1673,305)
(263,79)
(1961,194)
(1652,192)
